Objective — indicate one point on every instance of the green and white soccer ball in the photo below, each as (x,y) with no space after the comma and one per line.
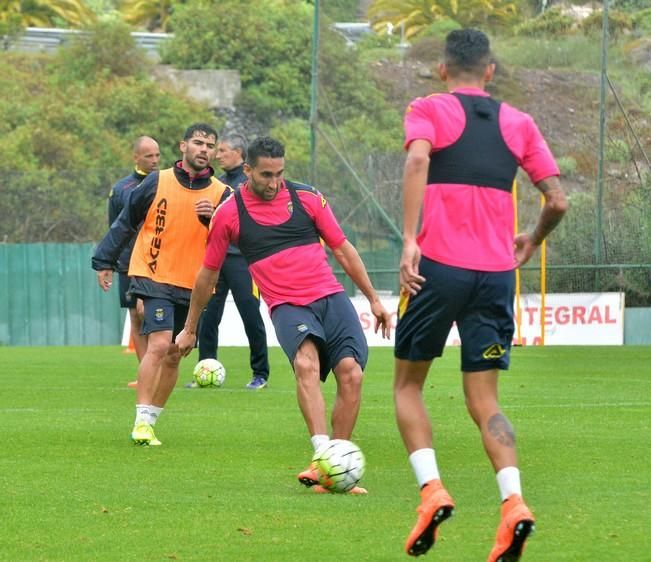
(209,372)
(340,464)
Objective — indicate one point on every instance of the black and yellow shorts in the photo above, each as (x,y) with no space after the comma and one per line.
(480,302)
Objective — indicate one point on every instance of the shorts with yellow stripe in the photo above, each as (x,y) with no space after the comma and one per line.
(481,304)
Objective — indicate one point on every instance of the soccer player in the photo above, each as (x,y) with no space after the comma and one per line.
(463,151)
(174,207)
(278,226)
(146,156)
(235,277)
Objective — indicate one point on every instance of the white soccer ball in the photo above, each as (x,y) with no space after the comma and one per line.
(340,464)
(209,372)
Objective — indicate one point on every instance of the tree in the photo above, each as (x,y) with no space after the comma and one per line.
(67,136)
(417,15)
(153,14)
(42,13)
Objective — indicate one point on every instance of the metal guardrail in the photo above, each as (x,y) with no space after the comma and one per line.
(48,39)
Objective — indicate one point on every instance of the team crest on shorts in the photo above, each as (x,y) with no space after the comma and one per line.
(159,315)
(301,328)
(494,351)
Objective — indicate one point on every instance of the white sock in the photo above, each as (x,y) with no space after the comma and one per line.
(146,413)
(318,440)
(154,414)
(142,413)
(508,481)
(423,463)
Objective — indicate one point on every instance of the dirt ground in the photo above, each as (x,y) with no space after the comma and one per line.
(565,105)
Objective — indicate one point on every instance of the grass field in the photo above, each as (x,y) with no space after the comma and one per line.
(223,485)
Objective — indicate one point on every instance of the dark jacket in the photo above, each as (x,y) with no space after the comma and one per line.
(234,177)
(116,200)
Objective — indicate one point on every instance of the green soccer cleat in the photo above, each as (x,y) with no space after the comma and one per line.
(143,434)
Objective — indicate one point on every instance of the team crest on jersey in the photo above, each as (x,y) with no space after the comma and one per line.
(323,201)
(494,351)
(290,207)
(301,328)
(159,315)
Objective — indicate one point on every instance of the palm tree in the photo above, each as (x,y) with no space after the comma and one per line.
(153,14)
(44,13)
(416,15)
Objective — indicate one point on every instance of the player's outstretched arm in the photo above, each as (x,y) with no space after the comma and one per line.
(414,179)
(204,285)
(555,207)
(352,264)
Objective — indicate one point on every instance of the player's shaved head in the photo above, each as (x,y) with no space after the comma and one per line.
(146,154)
(144,142)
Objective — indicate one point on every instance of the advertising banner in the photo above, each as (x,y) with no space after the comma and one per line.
(567,318)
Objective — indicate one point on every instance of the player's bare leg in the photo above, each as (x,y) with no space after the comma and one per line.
(346,408)
(498,437)
(139,341)
(149,370)
(310,399)
(480,389)
(148,381)
(136,317)
(308,387)
(413,422)
(411,414)
(348,399)
(169,374)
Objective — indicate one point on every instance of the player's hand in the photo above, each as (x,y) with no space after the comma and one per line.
(185,340)
(204,208)
(382,318)
(524,249)
(410,280)
(105,279)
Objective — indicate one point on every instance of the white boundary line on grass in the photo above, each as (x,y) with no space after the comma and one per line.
(589,405)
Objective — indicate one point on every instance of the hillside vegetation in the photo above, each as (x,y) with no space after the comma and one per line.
(68,120)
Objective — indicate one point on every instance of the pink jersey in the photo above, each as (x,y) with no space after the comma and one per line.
(462,225)
(298,275)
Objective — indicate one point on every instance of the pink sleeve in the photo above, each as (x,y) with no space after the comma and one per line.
(222,231)
(525,140)
(419,122)
(316,205)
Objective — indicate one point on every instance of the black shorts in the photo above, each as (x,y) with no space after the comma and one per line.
(127,299)
(331,322)
(480,302)
(162,315)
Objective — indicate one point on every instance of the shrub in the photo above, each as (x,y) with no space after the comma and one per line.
(642,21)
(567,165)
(618,151)
(105,49)
(618,23)
(552,22)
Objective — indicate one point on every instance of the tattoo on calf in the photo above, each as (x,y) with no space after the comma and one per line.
(500,429)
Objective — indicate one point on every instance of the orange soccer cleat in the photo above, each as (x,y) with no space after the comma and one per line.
(310,476)
(355,491)
(435,507)
(516,525)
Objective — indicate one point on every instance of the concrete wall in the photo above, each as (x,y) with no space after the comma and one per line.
(218,89)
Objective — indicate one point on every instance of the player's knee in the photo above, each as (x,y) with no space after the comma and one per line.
(306,364)
(349,373)
(173,354)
